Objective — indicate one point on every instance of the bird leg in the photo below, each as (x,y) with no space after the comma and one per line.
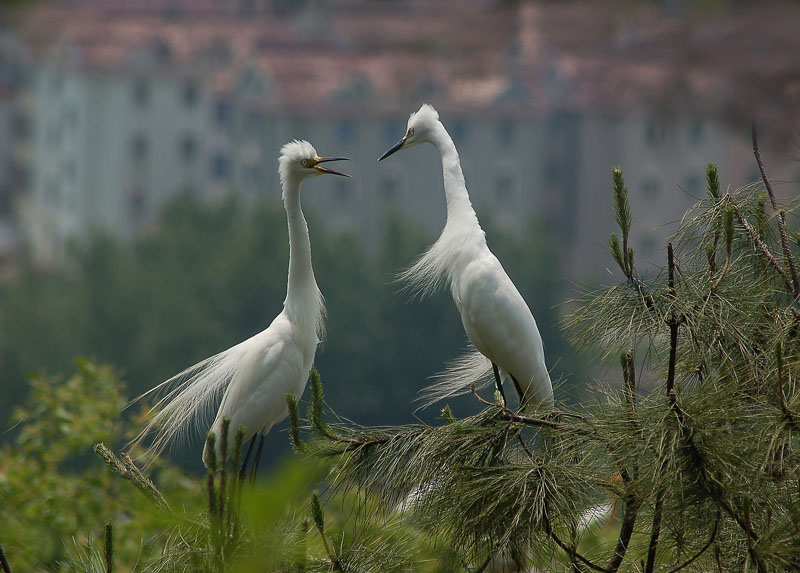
(519,391)
(498,382)
(243,469)
(257,460)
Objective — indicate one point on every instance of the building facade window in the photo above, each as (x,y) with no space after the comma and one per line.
(506,133)
(697,130)
(459,131)
(140,147)
(141,93)
(188,148)
(393,130)
(390,188)
(504,188)
(220,166)
(651,188)
(654,133)
(341,190)
(190,93)
(137,202)
(223,113)
(693,185)
(346,132)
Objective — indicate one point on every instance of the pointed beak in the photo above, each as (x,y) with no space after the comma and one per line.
(330,171)
(397,147)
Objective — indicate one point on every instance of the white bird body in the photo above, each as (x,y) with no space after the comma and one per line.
(255,375)
(496,318)
(277,362)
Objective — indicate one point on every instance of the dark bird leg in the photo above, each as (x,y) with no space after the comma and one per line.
(498,383)
(520,393)
(257,460)
(243,470)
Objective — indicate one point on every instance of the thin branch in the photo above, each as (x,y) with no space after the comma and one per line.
(632,503)
(703,550)
(655,532)
(4,566)
(760,244)
(568,550)
(632,506)
(787,251)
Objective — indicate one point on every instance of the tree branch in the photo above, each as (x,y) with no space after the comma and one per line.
(703,550)
(765,251)
(787,251)
(568,550)
(632,503)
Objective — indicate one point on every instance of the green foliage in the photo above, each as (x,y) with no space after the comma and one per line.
(54,496)
(56,500)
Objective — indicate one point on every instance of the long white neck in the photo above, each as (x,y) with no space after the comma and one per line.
(303,298)
(462,238)
(459,208)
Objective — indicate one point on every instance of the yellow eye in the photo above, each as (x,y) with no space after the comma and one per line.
(304,162)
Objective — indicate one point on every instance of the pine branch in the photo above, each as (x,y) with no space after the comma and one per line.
(787,251)
(632,502)
(127,469)
(567,549)
(702,550)
(319,520)
(760,244)
(788,415)
(673,325)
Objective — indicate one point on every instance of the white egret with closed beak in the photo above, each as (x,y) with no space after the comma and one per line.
(255,376)
(496,318)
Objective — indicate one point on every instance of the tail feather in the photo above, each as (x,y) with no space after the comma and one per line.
(187,401)
(460,374)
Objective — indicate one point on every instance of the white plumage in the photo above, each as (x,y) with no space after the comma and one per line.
(254,376)
(497,320)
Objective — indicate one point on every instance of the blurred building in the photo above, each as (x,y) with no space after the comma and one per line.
(134,103)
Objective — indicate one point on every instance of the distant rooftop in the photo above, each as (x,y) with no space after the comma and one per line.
(485,55)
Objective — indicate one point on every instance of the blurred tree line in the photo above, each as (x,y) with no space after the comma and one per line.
(209,276)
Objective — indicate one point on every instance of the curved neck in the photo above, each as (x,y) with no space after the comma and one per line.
(301,282)
(459,207)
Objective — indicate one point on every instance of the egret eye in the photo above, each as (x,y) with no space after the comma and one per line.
(410,132)
(304,162)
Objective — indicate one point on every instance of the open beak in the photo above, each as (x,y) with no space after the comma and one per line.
(331,171)
(397,147)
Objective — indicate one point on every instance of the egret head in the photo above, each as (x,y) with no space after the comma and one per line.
(299,160)
(421,126)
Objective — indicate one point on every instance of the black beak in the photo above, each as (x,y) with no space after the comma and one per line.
(330,171)
(397,147)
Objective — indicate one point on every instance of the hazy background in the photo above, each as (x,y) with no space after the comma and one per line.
(140,214)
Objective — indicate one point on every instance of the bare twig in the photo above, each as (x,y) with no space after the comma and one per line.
(787,251)
(4,566)
(760,244)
